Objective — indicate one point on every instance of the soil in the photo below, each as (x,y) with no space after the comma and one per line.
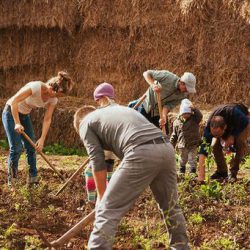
(25,208)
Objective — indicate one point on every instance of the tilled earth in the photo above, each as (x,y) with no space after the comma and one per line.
(213,223)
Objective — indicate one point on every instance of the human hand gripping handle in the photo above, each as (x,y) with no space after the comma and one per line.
(157,89)
(39,145)
(42,154)
(19,128)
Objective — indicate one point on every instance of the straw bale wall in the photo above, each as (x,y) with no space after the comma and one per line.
(116,40)
(39,13)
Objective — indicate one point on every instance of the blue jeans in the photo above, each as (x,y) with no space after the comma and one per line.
(17,142)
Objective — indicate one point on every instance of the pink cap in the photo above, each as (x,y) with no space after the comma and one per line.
(104,89)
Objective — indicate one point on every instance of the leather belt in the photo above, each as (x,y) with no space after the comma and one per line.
(158,140)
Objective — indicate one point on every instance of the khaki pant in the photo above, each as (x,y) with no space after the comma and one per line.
(147,165)
(242,146)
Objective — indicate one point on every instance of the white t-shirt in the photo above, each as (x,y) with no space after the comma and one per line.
(33,101)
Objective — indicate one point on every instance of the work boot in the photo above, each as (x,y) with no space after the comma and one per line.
(218,175)
(32,180)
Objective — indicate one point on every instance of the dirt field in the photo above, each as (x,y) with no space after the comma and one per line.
(217,215)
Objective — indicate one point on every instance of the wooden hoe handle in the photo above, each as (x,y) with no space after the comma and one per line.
(73,176)
(163,128)
(43,155)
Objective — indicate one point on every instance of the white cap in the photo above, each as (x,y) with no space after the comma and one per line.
(185,106)
(186,101)
(190,81)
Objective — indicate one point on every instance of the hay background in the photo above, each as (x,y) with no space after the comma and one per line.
(116,40)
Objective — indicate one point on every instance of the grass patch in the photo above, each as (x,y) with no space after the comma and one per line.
(59,149)
(4,144)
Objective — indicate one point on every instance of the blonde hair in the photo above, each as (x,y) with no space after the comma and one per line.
(62,81)
(80,115)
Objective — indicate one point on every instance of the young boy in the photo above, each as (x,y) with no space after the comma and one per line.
(89,179)
(186,136)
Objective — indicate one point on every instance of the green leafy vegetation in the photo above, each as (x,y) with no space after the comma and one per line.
(4,144)
(220,244)
(59,149)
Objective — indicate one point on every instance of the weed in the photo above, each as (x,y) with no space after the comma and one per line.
(246,163)
(59,149)
(211,190)
(235,193)
(196,219)
(32,243)
(10,231)
(220,244)
(4,144)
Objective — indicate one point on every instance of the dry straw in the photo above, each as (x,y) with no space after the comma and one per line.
(116,40)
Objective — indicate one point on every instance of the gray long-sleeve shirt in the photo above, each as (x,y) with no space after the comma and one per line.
(115,128)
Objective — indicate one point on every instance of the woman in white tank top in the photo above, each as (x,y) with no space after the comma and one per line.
(16,119)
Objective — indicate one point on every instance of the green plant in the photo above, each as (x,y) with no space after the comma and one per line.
(235,193)
(4,144)
(59,149)
(10,231)
(246,163)
(196,218)
(32,243)
(209,159)
(212,190)
(220,244)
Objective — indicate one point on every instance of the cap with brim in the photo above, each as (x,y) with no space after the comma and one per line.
(190,80)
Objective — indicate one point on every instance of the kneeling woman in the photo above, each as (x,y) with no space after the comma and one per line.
(16,119)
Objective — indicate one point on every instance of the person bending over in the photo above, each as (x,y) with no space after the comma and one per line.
(147,159)
(16,119)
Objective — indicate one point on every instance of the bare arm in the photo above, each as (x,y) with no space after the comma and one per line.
(100,181)
(150,80)
(14,108)
(46,125)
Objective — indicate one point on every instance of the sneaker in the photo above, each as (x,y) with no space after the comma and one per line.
(32,180)
(12,181)
(218,175)
(232,178)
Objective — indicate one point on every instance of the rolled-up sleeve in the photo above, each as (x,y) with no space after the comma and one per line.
(159,75)
(93,147)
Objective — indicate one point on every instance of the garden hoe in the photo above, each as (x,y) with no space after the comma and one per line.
(73,176)
(160,111)
(79,170)
(69,234)
(43,155)
(140,101)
